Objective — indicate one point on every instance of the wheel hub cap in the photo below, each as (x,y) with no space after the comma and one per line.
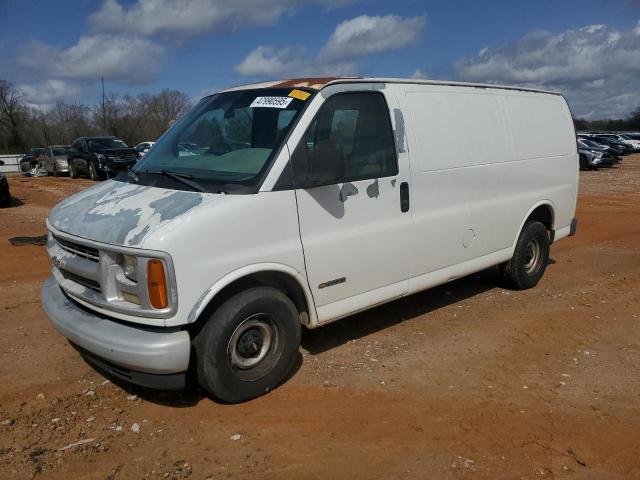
(251,342)
(532,256)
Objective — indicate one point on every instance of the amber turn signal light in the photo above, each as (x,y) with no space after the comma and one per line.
(157,284)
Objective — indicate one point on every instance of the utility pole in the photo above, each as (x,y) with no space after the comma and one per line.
(104,118)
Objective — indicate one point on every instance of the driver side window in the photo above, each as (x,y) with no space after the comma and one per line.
(352,130)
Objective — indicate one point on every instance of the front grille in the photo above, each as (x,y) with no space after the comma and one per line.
(123,157)
(85,282)
(89,253)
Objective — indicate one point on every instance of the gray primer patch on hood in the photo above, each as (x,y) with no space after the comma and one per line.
(177,203)
(137,238)
(120,213)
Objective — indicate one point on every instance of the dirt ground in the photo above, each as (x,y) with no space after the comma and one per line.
(468,380)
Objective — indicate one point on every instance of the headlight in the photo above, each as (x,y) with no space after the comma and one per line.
(157,284)
(130,267)
(102,160)
(145,281)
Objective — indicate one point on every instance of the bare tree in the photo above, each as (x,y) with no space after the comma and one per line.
(133,118)
(12,116)
(164,109)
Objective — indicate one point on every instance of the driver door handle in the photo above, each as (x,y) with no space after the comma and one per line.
(404,197)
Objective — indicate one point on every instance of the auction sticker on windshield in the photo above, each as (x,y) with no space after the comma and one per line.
(271,102)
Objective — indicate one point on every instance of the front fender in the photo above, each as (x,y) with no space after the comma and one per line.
(209,294)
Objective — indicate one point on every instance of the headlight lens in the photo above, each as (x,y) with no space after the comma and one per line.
(130,267)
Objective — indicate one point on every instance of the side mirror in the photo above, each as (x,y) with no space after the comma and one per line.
(322,164)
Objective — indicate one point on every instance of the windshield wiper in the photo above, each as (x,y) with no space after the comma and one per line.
(132,175)
(183,178)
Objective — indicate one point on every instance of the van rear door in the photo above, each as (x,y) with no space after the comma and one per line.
(354,232)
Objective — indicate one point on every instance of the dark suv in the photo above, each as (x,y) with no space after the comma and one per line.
(5,195)
(99,157)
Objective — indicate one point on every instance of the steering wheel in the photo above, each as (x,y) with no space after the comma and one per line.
(220,148)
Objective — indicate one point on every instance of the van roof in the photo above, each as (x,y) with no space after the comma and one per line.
(318,83)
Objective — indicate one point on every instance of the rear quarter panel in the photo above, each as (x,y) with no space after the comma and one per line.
(481,160)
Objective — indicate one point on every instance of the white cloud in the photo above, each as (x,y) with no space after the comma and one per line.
(265,60)
(596,67)
(353,38)
(366,34)
(188,18)
(269,62)
(124,58)
(419,74)
(49,91)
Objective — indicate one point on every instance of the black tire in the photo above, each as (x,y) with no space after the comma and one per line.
(530,258)
(73,173)
(93,172)
(248,345)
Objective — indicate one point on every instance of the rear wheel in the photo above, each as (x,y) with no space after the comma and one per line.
(248,345)
(530,258)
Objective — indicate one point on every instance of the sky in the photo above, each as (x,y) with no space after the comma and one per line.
(58,50)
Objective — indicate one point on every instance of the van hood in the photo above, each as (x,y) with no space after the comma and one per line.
(120,213)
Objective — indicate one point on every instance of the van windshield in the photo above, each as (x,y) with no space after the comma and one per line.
(226,143)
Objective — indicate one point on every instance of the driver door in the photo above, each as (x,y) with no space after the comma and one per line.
(354,231)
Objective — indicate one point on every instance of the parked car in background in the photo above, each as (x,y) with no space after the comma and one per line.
(633,135)
(100,157)
(592,160)
(54,159)
(143,147)
(5,195)
(620,148)
(30,161)
(611,141)
(634,143)
(607,154)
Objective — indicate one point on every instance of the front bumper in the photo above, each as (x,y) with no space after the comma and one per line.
(155,357)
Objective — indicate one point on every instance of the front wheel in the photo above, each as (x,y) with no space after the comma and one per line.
(530,257)
(249,345)
(73,173)
(93,172)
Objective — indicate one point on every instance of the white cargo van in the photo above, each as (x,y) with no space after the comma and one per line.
(296,203)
